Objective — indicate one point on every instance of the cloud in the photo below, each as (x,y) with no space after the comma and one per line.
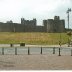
(41,9)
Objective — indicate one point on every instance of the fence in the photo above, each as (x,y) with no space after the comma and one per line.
(36,50)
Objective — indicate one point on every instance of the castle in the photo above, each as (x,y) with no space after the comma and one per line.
(55,25)
(50,25)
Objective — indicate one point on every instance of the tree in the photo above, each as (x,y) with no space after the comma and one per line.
(69,33)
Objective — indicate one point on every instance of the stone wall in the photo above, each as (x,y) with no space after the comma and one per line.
(14,27)
(50,25)
(54,25)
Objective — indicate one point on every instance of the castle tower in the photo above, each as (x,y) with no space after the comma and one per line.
(35,21)
(56,18)
(62,26)
(50,25)
(22,21)
(54,25)
(45,25)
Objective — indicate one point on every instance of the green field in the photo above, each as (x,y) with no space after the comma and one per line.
(33,38)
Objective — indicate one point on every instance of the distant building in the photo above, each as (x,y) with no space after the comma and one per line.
(29,25)
(54,25)
(50,25)
(28,22)
(9,21)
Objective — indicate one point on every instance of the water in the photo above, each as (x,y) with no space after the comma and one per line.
(35,50)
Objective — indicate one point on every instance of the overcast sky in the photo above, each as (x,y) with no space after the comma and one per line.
(29,9)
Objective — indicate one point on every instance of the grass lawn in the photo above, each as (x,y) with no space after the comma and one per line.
(33,38)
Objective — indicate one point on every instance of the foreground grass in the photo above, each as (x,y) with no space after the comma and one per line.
(33,38)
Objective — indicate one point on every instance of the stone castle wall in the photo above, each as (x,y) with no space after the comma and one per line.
(50,25)
(54,25)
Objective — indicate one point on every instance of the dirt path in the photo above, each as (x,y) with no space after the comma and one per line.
(35,62)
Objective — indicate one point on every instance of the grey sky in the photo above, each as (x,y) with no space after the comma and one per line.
(29,9)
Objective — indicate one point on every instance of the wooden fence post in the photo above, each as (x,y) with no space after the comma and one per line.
(41,50)
(15,51)
(54,50)
(71,52)
(59,52)
(2,51)
(28,51)
(11,45)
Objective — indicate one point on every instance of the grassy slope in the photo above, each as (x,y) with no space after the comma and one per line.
(33,38)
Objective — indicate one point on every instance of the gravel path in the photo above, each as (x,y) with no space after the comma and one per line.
(35,62)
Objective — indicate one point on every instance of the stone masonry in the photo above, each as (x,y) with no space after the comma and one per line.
(51,25)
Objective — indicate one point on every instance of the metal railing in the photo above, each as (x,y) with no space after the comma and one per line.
(40,50)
